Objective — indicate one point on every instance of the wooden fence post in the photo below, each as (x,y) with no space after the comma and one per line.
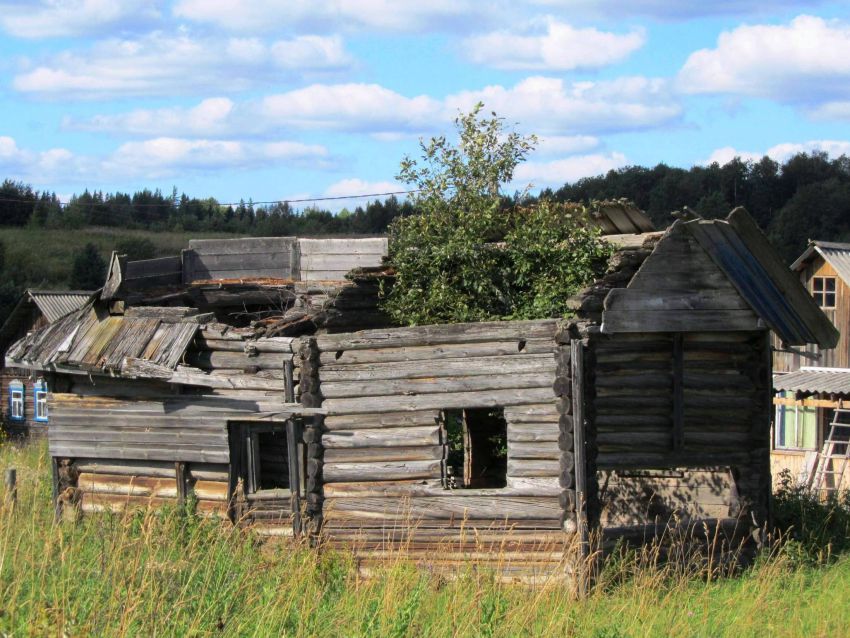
(11,483)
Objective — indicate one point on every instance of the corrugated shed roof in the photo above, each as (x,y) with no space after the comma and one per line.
(835,253)
(829,381)
(741,250)
(55,304)
(94,341)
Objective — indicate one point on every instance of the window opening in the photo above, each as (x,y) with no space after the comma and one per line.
(16,401)
(823,290)
(477,442)
(268,460)
(40,400)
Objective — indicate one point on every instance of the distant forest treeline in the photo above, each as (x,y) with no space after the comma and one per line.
(808,196)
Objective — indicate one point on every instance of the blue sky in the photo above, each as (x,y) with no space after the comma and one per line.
(286,99)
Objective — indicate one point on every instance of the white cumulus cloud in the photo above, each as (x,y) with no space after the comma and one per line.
(556,173)
(780,152)
(356,186)
(161,63)
(549,44)
(806,61)
(64,18)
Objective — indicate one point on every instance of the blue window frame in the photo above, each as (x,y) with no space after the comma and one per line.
(39,400)
(16,401)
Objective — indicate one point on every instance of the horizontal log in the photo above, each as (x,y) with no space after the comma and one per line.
(197,377)
(385,471)
(542,363)
(219,345)
(118,436)
(93,502)
(127,485)
(439,334)
(380,420)
(522,468)
(383,454)
(433,385)
(659,460)
(158,469)
(209,360)
(632,420)
(401,489)
(141,452)
(453,400)
(615,321)
(644,440)
(210,490)
(532,432)
(456,506)
(209,471)
(383,437)
(449,351)
(548,450)
(649,381)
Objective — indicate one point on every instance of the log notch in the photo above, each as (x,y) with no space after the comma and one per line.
(563,388)
(311,397)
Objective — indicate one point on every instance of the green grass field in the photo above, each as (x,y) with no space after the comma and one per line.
(169,574)
(43,257)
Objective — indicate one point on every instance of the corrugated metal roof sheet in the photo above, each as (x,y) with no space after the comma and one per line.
(830,382)
(94,341)
(835,253)
(55,304)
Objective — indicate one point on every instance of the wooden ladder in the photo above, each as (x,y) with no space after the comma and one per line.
(834,458)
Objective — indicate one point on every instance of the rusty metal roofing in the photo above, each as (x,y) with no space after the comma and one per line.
(835,253)
(55,304)
(829,381)
(92,340)
(743,253)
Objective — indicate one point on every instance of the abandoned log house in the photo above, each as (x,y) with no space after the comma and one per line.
(260,377)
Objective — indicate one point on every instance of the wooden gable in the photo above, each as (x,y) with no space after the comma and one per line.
(679,288)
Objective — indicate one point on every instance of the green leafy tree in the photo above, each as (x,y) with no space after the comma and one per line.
(468,253)
(89,269)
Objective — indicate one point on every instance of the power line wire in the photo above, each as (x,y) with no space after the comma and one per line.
(224,204)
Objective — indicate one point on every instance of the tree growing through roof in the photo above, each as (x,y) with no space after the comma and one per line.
(471,254)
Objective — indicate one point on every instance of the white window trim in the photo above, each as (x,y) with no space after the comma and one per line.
(40,400)
(16,404)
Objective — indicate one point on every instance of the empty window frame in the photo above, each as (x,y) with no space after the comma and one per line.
(39,398)
(477,448)
(823,290)
(268,459)
(16,401)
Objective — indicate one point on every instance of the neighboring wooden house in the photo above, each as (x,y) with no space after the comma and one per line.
(23,396)
(812,381)
(506,440)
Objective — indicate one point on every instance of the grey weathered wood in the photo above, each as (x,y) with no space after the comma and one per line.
(194,376)
(438,368)
(579,452)
(383,437)
(479,399)
(384,471)
(532,432)
(127,451)
(447,351)
(380,420)
(441,385)
(546,486)
(678,393)
(518,468)
(160,469)
(456,506)
(546,450)
(208,360)
(674,300)
(464,333)
(615,321)
(382,454)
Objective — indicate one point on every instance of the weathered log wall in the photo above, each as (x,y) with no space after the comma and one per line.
(693,404)
(382,470)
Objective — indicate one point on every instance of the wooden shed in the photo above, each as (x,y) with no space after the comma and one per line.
(504,440)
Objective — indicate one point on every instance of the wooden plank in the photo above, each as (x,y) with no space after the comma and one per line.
(140,452)
(128,485)
(382,454)
(546,486)
(435,352)
(478,399)
(457,506)
(682,299)
(441,385)
(532,432)
(159,469)
(380,420)
(383,437)
(678,393)
(544,363)
(388,470)
(615,321)
(443,334)
(207,360)
(343,246)
(545,450)
(525,468)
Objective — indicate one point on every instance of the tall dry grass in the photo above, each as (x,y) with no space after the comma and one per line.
(172,574)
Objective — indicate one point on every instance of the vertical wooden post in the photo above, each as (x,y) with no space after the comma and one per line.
(678,392)
(577,369)
(288,381)
(182,487)
(11,482)
(292,448)
(57,506)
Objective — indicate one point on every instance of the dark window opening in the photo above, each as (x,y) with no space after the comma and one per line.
(477,442)
(268,460)
(823,290)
